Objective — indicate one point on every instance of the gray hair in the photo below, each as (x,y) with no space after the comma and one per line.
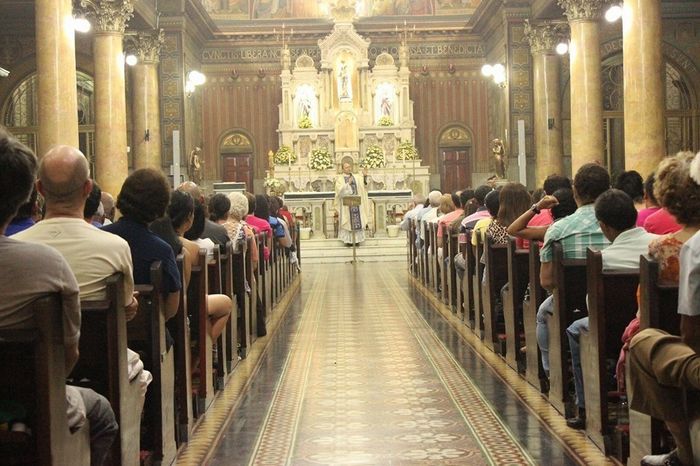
(239,205)
(434,198)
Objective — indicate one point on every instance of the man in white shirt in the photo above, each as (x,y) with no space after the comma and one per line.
(418,203)
(617,218)
(662,367)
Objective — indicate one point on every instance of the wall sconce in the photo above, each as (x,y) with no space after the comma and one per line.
(194,78)
(451,68)
(496,72)
(234,75)
(614,13)
(261,73)
(562,48)
(131,59)
(424,70)
(81,24)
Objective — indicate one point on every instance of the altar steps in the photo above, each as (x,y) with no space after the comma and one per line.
(329,251)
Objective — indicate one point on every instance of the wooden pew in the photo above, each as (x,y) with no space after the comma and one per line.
(179,328)
(518,268)
(495,277)
(230,334)
(612,304)
(239,269)
(468,282)
(411,247)
(455,291)
(103,366)
(264,281)
(569,295)
(197,291)
(216,286)
(444,269)
(146,334)
(436,266)
(253,279)
(533,358)
(34,361)
(426,240)
(476,285)
(658,308)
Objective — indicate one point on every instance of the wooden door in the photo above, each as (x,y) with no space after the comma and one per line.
(455,173)
(238,167)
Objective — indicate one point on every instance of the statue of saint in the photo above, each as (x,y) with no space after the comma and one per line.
(344,91)
(386,106)
(194,166)
(499,157)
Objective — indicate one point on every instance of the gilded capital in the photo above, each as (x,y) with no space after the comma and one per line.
(543,38)
(109,15)
(582,9)
(343,11)
(146,45)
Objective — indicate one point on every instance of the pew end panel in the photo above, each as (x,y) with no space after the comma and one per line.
(197,292)
(518,268)
(569,305)
(495,277)
(34,359)
(612,304)
(534,373)
(476,286)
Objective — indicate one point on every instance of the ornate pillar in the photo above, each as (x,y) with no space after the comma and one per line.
(547,112)
(145,100)
(111,160)
(644,90)
(586,95)
(55,53)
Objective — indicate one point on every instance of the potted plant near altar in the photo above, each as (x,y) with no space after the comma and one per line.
(385,121)
(305,123)
(374,157)
(274,186)
(320,159)
(285,156)
(406,151)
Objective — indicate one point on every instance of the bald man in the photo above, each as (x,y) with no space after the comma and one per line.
(212,230)
(108,205)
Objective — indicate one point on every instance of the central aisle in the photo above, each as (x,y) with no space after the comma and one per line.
(356,375)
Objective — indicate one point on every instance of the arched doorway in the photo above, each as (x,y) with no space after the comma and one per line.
(236,151)
(455,149)
(21,114)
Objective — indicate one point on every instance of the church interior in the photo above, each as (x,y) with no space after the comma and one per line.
(327,359)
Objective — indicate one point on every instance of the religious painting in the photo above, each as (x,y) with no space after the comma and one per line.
(398,7)
(233,9)
(456,7)
(384,102)
(266,9)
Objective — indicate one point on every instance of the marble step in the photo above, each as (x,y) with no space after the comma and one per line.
(372,250)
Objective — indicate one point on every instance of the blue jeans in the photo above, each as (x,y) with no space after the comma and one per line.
(543,313)
(103,425)
(574,334)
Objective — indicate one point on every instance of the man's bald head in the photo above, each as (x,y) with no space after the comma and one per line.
(192,189)
(64,176)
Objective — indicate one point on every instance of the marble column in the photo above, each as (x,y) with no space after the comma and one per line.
(145,102)
(55,53)
(587,143)
(644,89)
(546,74)
(111,158)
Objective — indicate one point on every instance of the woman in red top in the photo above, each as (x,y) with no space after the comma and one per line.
(259,225)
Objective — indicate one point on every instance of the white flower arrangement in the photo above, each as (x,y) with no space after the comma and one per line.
(374,157)
(385,121)
(305,122)
(284,155)
(274,186)
(695,168)
(320,159)
(406,151)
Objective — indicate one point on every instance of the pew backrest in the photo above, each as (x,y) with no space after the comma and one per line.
(658,302)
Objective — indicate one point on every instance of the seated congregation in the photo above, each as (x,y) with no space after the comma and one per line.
(590,292)
(116,334)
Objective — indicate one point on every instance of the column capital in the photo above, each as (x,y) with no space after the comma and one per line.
(146,45)
(582,9)
(544,37)
(109,15)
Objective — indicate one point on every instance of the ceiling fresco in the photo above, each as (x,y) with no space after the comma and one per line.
(300,9)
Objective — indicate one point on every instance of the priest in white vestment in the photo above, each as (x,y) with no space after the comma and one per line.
(351,218)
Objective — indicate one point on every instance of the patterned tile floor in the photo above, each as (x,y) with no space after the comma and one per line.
(363,370)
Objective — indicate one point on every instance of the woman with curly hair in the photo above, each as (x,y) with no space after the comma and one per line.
(679,194)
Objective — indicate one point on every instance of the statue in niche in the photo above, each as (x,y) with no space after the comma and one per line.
(344,91)
(195,166)
(304,106)
(386,106)
(499,157)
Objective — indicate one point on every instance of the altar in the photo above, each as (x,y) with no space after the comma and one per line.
(342,110)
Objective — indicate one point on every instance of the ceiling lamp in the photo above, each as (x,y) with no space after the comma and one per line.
(197,78)
(487,70)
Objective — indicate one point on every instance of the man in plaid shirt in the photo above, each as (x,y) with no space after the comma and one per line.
(576,233)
